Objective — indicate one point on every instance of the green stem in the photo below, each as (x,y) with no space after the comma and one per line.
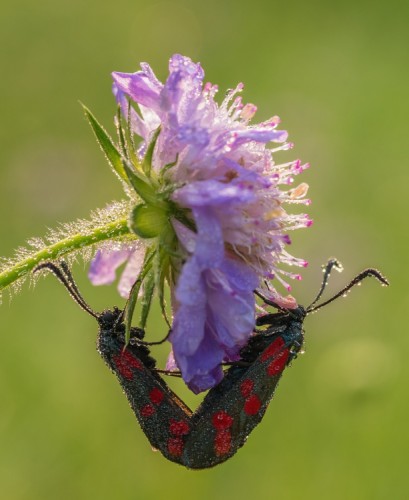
(63,247)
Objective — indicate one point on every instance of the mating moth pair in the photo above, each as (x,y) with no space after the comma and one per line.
(230,410)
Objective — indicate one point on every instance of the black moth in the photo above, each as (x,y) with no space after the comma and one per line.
(232,409)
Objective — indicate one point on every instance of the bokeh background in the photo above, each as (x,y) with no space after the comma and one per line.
(338,75)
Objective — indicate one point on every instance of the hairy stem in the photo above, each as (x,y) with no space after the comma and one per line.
(65,246)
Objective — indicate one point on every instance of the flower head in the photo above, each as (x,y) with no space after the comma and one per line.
(219,194)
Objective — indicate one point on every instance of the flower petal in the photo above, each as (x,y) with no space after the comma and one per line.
(214,318)
(131,272)
(105,263)
(140,87)
(214,193)
(241,276)
(201,369)
(209,250)
(232,310)
(187,331)
(138,125)
(260,135)
(185,236)
(190,289)
(171,362)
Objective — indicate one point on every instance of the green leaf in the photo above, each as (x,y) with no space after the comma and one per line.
(148,221)
(107,145)
(146,302)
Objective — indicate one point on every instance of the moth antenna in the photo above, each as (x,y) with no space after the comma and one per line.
(64,267)
(65,277)
(332,263)
(78,297)
(360,277)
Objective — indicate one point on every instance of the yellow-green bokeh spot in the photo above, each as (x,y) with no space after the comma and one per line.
(149,221)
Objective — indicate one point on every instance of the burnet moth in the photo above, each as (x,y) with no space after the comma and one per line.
(232,409)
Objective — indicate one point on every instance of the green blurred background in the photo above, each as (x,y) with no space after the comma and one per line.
(338,76)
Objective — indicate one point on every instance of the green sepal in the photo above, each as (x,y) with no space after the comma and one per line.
(161,269)
(146,302)
(133,296)
(148,221)
(147,160)
(140,183)
(130,308)
(166,250)
(167,167)
(130,144)
(107,145)
(120,131)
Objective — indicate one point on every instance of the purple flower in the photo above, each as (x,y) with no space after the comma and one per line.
(216,170)
(214,304)
(106,261)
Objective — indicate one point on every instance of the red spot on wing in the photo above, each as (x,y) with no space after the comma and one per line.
(222,420)
(273,349)
(222,442)
(252,405)
(246,387)
(277,365)
(156,396)
(147,410)
(175,446)
(124,363)
(130,360)
(122,368)
(179,427)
